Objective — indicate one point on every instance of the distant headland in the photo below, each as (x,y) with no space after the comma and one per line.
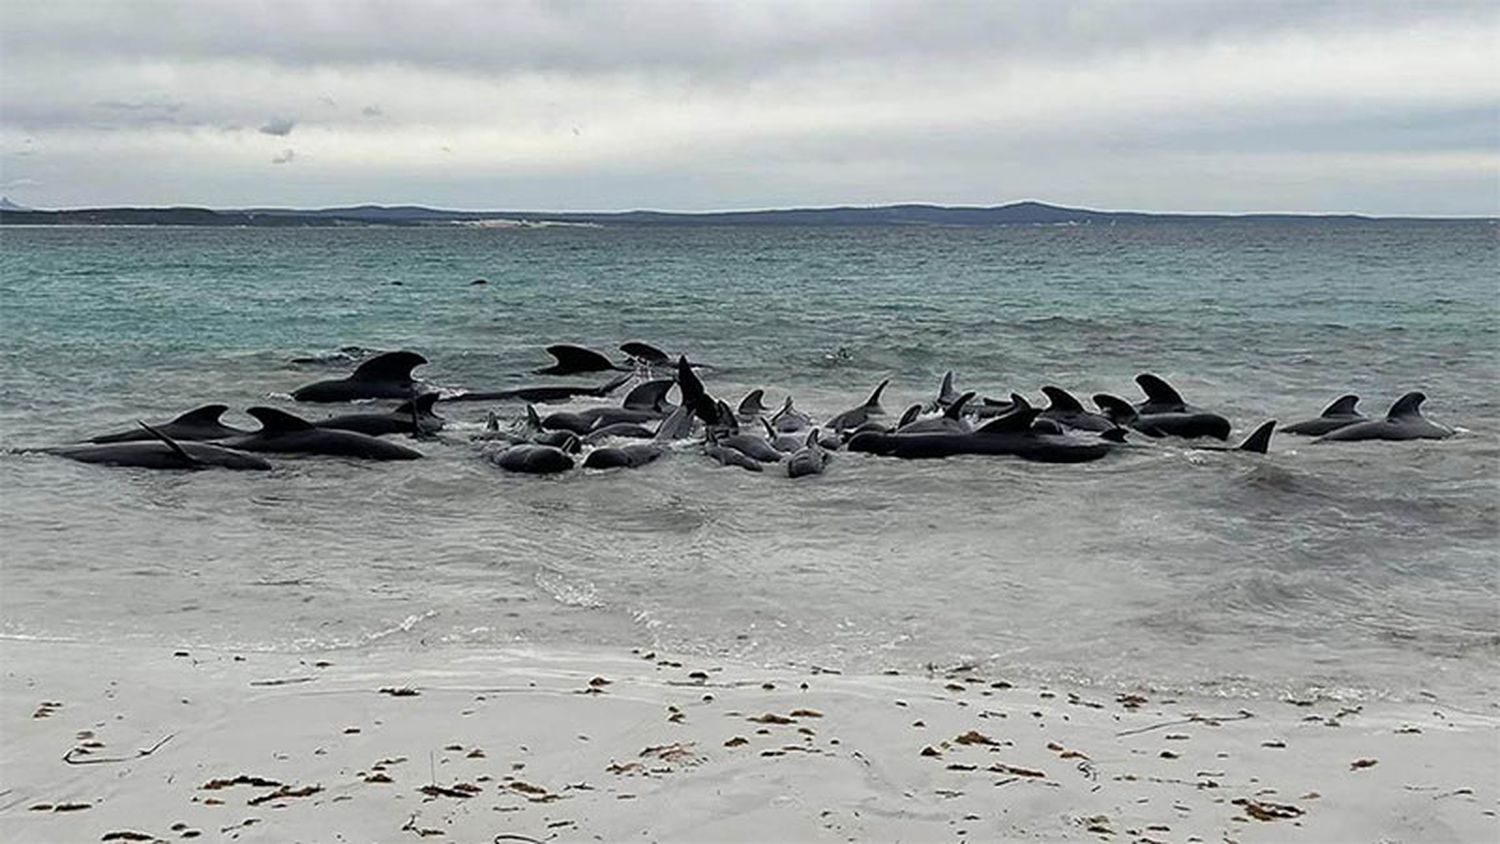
(1015,213)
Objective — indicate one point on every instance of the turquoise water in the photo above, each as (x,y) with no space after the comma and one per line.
(1359,569)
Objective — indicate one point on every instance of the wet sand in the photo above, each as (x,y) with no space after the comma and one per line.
(133,743)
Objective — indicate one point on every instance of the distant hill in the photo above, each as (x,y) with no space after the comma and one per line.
(1015,213)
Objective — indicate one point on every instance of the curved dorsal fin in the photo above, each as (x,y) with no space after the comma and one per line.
(956,410)
(726,416)
(1342,406)
(1017,420)
(1117,409)
(812,440)
(1408,405)
(946,393)
(645,352)
(578,359)
(649,395)
(909,416)
(770,432)
(1158,391)
(786,407)
(753,402)
(1019,402)
(391,366)
(1060,399)
(1259,439)
(611,385)
(492,422)
(273,421)
(874,399)
(208,414)
(171,443)
(533,419)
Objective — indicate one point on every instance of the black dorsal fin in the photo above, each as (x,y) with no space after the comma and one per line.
(725,416)
(812,440)
(946,393)
(956,410)
(1158,391)
(1114,435)
(171,443)
(645,352)
(770,432)
(874,399)
(753,402)
(1342,406)
(1015,421)
(206,415)
(909,416)
(1259,439)
(1408,405)
(1019,402)
(533,419)
(273,421)
(391,366)
(1060,399)
(578,359)
(649,395)
(1117,409)
(786,407)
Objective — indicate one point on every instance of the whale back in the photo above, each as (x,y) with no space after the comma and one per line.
(1061,400)
(391,366)
(1158,391)
(275,422)
(1014,422)
(1408,406)
(1342,406)
(645,352)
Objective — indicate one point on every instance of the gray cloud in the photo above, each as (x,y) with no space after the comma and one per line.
(1372,106)
(278,126)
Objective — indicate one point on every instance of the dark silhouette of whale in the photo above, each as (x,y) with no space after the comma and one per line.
(1163,413)
(1404,421)
(546,394)
(413,417)
(572,360)
(630,456)
(532,459)
(283,433)
(1068,412)
(857,416)
(159,451)
(199,424)
(386,376)
(646,403)
(811,459)
(951,421)
(1011,434)
(1338,415)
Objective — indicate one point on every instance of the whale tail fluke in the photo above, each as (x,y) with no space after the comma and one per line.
(1259,439)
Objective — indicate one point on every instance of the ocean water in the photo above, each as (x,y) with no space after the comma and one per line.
(1355,570)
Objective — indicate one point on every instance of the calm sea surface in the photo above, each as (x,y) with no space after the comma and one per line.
(1360,570)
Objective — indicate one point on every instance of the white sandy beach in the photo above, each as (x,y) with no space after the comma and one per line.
(145,744)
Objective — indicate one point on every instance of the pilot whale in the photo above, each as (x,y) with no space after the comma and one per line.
(1338,415)
(1163,413)
(413,417)
(386,376)
(1011,434)
(855,417)
(546,394)
(283,433)
(571,360)
(201,423)
(1404,421)
(159,451)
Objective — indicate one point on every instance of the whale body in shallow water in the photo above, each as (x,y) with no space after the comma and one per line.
(413,417)
(857,416)
(160,452)
(386,376)
(198,424)
(1338,415)
(1011,434)
(283,433)
(531,459)
(1163,413)
(1404,421)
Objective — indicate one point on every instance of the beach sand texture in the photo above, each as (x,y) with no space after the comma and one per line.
(145,743)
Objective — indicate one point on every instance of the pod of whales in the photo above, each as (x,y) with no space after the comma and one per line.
(1404,421)
(385,376)
(646,425)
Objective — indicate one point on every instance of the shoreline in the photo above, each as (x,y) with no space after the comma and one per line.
(549,744)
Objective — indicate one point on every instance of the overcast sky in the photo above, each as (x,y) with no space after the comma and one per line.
(1390,108)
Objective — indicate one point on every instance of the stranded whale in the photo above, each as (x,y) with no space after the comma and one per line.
(1404,421)
(386,376)
(283,433)
(1338,415)
(198,424)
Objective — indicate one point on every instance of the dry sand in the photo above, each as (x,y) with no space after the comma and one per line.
(130,743)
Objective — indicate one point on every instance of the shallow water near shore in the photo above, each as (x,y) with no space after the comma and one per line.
(1358,570)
